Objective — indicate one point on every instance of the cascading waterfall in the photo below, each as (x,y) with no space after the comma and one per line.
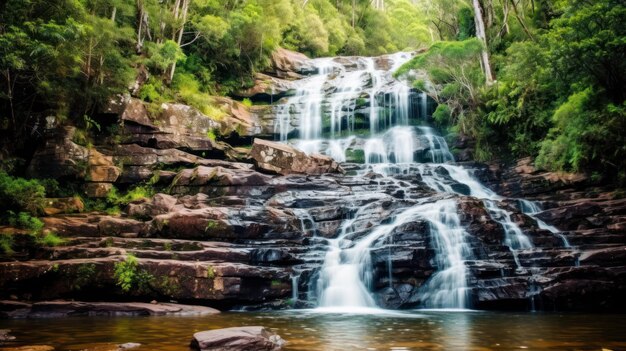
(326,110)
(347,271)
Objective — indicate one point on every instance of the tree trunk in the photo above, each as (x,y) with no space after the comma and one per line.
(521,20)
(481,34)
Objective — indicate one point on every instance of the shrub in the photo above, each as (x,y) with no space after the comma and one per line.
(21,194)
(25,221)
(128,275)
(137,193)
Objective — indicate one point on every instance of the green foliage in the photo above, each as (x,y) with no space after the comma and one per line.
(49,240)
(453,67)
(442,115)
(128,276)
(210,272)
(25,221)
(247,102)
(467,27)
(134,194)
(21,194)
(6,244)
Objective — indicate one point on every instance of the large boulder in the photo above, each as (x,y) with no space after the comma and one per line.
(237,339)
(283,159)
(267,88)
(288,64)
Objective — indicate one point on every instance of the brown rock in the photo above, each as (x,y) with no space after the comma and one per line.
(237,339)
(283,159)
(286,63)
(54,206)
(98,190)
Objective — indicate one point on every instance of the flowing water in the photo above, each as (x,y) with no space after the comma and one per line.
(329,111)
(306,331)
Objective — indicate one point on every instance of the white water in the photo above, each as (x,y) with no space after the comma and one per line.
(327,106)
(531,209)
(346,275)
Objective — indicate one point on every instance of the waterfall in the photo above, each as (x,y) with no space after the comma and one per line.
(347,271)
(447,288)
(353,106)
(531,209)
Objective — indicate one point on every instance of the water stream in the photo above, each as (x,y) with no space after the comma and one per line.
(359,108)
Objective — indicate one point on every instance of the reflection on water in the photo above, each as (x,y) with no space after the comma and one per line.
(312,330)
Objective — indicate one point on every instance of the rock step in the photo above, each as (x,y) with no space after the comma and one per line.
(209,280)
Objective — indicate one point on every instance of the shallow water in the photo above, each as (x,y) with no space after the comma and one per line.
(313,330)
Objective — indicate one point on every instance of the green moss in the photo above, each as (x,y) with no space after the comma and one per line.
(355,155)
(49,240)
(247,102)
(210,272)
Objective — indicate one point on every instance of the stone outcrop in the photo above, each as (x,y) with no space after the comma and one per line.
(288,64)
(267,88)
(283,159)
(55,309)
(61,158)
(237,339)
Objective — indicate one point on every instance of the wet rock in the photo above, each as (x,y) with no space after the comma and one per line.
(59,308)
(219,176)
(237,339)
(283,159)
(110,347)
(272,256)
(28,348)
(5,336)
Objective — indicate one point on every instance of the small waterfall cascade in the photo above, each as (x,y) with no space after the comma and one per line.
(353,110)
(447,288)
(531,209)
(346,276)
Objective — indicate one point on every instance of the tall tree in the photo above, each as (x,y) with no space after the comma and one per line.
(482,36)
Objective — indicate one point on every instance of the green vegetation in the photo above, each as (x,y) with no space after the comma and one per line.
(6,244)
(18,194)
(129,277)
(64,60)
(85,273)
(524,78)
(49,240)
(23,220)
(559,90)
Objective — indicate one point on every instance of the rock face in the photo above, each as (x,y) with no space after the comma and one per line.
(61,158)
(283,159)
(237,339)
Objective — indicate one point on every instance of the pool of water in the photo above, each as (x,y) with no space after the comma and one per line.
(315,330)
